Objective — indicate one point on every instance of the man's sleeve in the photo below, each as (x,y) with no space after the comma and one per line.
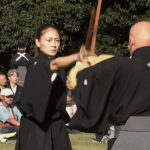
(4,115)
(92,94)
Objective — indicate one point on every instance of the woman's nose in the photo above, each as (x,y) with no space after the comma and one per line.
(54,43)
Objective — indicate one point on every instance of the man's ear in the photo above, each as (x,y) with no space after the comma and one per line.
(37,43)
(132,39)
(132,43)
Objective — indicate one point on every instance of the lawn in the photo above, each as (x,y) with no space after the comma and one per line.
(80,141)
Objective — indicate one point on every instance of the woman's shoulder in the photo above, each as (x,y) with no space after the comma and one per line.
(40,60)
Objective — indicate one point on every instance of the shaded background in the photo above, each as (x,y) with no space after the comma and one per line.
(20,20)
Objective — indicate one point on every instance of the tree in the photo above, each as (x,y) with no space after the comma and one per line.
(20,19)
(115,22)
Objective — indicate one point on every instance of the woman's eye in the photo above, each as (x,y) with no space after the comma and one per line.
(48,40)
(57,40)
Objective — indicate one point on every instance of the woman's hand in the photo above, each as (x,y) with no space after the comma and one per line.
(83,54)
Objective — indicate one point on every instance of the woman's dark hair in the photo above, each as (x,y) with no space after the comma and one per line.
(40,32)
(44,27)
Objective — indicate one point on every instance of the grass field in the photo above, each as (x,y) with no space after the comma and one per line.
(80,141)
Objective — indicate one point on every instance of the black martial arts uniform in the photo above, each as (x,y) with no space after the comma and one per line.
(20,59)
(113,91)
(43,102)
(20,62)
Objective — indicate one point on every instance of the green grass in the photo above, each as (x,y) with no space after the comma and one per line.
(80,141)
(9,145)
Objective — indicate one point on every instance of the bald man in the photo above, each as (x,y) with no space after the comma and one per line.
(117,91)
(139,36)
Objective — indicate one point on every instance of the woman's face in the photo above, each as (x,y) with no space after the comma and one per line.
(49,42)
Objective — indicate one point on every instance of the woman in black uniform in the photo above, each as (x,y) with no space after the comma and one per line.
(43,99)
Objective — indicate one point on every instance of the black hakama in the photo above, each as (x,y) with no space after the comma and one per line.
(43,102)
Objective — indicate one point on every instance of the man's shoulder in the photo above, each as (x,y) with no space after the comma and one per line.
(1,104)
(2,108)
(15,109)
(119,60)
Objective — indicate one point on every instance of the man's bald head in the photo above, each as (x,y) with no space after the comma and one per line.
(139,35)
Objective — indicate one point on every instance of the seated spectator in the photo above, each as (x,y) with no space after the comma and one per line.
(3,80)
(13,76)
(9,115)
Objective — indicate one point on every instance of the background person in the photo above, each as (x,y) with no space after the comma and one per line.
(13,77)
(3,81)
(9,115)
(20,62)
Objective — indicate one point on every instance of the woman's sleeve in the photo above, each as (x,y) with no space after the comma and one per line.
(37,89)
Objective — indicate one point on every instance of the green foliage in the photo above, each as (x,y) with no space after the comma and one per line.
(115,22)
(80,141)
(20,19)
